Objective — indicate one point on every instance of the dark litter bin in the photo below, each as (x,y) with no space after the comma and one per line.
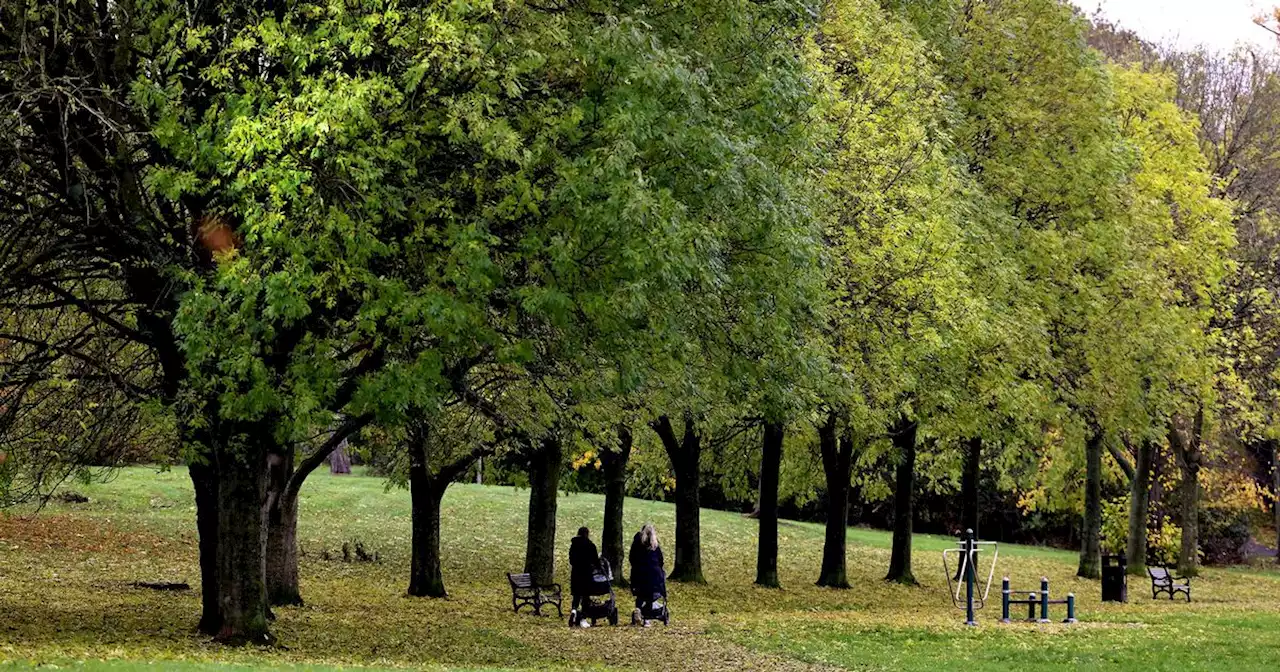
(1115,585)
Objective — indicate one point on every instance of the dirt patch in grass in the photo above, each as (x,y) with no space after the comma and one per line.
(77,534)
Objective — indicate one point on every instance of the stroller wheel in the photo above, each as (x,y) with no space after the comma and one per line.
(613,616)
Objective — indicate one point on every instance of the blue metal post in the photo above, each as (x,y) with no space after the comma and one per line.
(1004,600)
(1031,607)
(968,578)
(1044,599)
(1071,608)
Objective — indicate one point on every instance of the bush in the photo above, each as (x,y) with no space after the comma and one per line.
(1223,534)
(1115,525)
(1163,543)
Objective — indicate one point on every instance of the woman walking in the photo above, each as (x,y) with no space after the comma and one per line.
(648,577)
(583,561)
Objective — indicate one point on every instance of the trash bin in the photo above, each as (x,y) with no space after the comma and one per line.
(1115,583)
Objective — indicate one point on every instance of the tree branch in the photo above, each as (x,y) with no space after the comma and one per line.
(1126,465)
(316,458)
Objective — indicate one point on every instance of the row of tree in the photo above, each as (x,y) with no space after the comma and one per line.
(946,233)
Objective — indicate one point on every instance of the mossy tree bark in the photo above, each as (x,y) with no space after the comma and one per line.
(1275,489)
(1187,450)
(545,465)
(1139,505)
(242,542)
(1091,529)
(282,532)
(204,478)
(284,483)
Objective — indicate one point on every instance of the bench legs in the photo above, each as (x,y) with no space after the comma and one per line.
(537,602)
(555,602)
(1171,592)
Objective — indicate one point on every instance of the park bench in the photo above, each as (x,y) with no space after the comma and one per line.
(524,592)
(1164,581)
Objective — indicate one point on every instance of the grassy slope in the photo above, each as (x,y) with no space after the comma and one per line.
(64,597)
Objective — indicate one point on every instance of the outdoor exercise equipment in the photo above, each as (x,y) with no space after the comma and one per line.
(1032,600)
(966,574)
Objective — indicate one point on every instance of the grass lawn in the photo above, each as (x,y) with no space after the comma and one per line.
(66,598)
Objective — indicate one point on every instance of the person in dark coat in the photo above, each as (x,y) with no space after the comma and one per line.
(648,577)
(584,559)
(634,557)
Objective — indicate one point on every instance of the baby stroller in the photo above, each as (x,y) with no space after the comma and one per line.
(654,609)
(600,601)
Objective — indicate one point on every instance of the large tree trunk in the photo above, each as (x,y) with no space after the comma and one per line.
(426,494)
(615,496)
(1188,555)
(1139,503)
(282,532)
(545,466)
(770,468)
(969,486)
(837,466)
(1091,530)
(339,461)
(686,458)
(904,440)
(1186,448)
(204,478)
(242,542)
(284,483)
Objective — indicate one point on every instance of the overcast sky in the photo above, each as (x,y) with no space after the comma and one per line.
(1214,23)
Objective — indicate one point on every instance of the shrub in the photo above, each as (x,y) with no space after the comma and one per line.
(1163,542)
(1115,525)
(1223,534)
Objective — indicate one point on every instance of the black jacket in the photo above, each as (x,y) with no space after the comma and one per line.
(647,574)
(583,561)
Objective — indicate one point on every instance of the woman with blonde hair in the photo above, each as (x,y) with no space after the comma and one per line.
(648,578)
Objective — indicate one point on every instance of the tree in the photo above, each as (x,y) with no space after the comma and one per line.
(1139,507)
(427,485)
(1235,96)
(892,211)
(837,449)
(102,223)
(770,466)
(615,496)
(904,439)
(1091,254)
(685,453)
(284,482)
(1186,445)
(339,460)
